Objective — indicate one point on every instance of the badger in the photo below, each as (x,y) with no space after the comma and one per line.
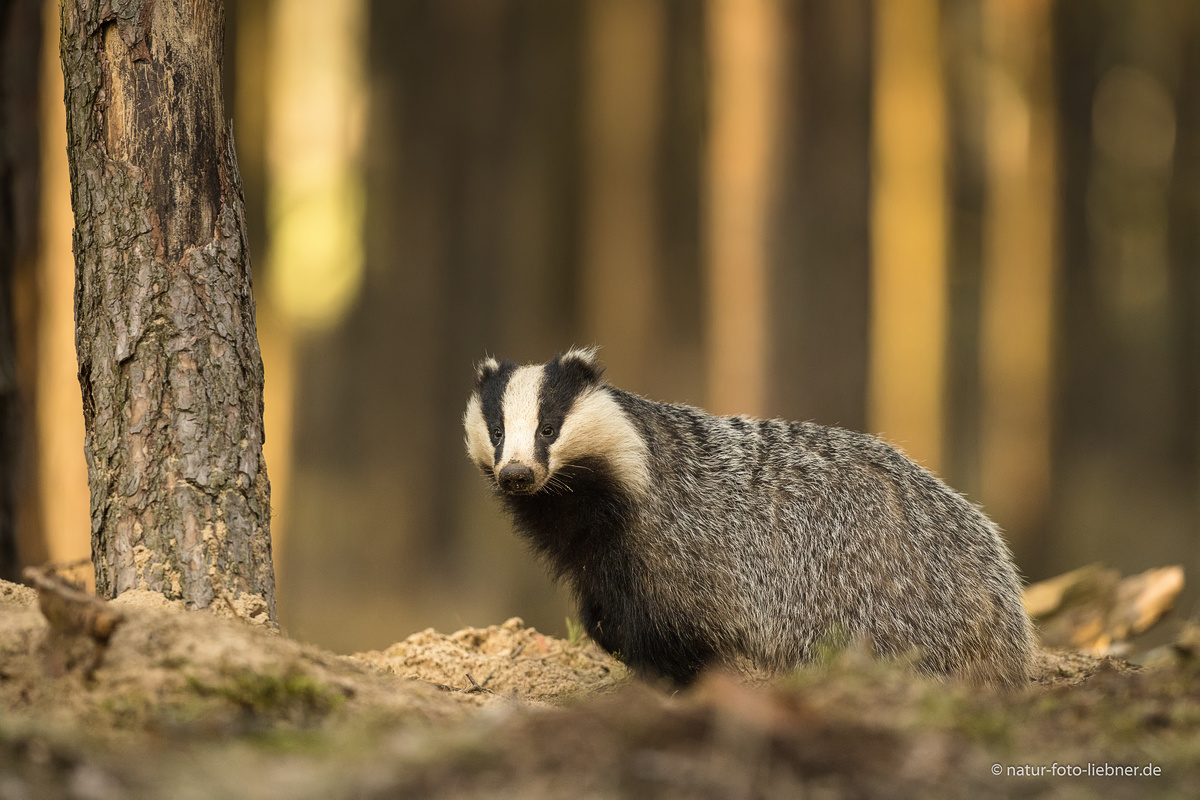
(694,541)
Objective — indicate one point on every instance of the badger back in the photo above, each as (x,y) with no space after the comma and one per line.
(526,424)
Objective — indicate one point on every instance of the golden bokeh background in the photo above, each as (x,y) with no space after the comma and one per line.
(970,226)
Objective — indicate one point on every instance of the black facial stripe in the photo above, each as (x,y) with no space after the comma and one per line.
(563,382)
(491,398)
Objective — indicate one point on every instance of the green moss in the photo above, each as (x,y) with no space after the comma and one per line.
(292,694)
(129,709)
(990,726)
(292,741)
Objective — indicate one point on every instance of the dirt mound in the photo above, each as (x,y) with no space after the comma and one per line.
(169,668)
(190,704)
(508,659)
(228,688)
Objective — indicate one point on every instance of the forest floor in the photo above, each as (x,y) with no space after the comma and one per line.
(185,704)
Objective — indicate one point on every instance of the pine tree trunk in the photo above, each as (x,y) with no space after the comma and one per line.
(169,362)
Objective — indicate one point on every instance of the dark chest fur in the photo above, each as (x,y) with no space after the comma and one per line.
(584,533)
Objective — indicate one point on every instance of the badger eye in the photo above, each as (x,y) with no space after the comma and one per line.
(497,434)
(547,431)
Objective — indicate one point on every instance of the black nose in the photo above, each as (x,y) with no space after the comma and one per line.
(516,478)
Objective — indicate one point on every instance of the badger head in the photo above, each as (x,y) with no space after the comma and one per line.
(527,426)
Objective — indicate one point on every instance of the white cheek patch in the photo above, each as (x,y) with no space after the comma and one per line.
(597,427)
(521,398)
(479,443)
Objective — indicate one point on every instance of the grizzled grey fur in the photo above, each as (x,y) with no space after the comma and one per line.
(693,540)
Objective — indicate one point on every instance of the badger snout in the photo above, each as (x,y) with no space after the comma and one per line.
(516,478)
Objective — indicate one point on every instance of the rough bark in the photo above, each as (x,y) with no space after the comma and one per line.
(169,362)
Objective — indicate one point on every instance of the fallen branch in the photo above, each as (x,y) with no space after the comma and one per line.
(1094,610)
(74,615)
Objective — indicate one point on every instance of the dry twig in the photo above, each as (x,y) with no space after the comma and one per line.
(74,615)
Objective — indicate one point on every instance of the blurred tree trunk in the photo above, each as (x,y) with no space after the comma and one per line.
(821,239)
(620,291)
(745,49)
(20,25)
(1126,436)
(1184,295)
(966,92)
(679,373)
(169,362)
(907,346)
(1020,239)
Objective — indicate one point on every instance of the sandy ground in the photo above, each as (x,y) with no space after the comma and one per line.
(195,704)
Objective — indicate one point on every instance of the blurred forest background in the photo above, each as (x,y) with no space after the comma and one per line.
(970,226)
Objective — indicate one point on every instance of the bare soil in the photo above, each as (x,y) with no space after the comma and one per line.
(189,704)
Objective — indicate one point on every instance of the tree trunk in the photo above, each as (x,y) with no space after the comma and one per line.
(8,383)
(820,264)
(169,362)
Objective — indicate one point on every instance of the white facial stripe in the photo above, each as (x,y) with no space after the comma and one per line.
(521,415)
(597,427)
(479,443)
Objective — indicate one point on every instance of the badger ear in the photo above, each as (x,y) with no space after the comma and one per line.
(485,370)
(583,361)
